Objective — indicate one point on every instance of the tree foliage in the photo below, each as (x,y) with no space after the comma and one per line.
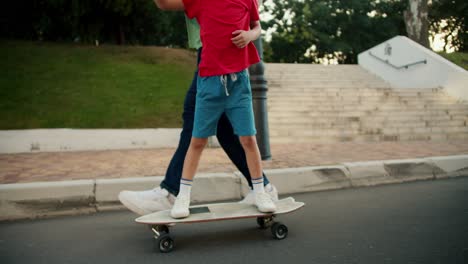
(449,17)
(313,30)
(304,30)
(115,21)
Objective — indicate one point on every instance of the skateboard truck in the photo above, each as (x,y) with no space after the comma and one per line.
(278,229)
(265,222)
(162,239)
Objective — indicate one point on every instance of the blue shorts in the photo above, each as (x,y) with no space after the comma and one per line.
(230,94)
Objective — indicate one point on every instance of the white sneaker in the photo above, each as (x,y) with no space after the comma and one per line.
(146,202)
(264,203)
(181,207)
(269,188)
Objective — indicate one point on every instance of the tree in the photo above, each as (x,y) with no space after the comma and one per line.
(449,17)
(417,23)
(317,30)
(114,21)
(118,10)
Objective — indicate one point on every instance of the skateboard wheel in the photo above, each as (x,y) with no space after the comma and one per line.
(165,243)
(279,231)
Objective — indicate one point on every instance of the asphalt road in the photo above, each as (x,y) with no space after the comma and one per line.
(419,222)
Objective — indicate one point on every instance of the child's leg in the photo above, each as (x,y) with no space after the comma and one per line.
(262,200)
(182,202)
(174,170)
(233,148)
(254,161)
(191,162)
(240,113)
(208,109)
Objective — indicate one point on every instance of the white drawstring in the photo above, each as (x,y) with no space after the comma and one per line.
(233,77)
(224,81)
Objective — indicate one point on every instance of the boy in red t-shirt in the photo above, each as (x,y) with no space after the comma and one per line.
(227,29)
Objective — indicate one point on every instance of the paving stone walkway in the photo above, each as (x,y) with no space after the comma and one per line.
(58,166)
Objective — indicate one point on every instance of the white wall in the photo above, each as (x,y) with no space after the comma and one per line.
(437,72)
(457,85)
(39,140)
(65,139)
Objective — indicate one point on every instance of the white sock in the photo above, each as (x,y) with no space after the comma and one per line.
(185,187)
(258,185)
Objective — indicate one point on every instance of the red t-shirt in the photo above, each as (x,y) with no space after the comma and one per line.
(218,19)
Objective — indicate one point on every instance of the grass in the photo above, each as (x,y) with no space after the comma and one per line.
(459,58)
(49,85)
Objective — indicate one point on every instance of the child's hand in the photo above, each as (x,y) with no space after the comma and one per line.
(242,38)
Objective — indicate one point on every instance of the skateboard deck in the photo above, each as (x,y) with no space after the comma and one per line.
(161,221)
(219,211)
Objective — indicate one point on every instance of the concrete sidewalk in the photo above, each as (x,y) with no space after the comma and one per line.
(43,184)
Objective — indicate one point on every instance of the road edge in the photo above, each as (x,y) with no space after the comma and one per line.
(47,199)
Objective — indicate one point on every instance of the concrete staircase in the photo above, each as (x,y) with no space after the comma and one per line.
(316,103)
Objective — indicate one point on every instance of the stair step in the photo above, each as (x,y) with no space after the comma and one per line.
(365,113)
(343,123)
(314,103)
(306,118)
(370,138)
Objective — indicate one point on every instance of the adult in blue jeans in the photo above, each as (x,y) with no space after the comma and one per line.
(163,196)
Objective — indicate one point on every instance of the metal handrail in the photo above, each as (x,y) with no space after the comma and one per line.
(406,66)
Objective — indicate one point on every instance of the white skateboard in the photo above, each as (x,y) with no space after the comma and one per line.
(159,222)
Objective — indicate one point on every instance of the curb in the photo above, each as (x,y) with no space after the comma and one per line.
(45,199)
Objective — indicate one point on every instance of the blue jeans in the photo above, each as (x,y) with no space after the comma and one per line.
(225,134)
